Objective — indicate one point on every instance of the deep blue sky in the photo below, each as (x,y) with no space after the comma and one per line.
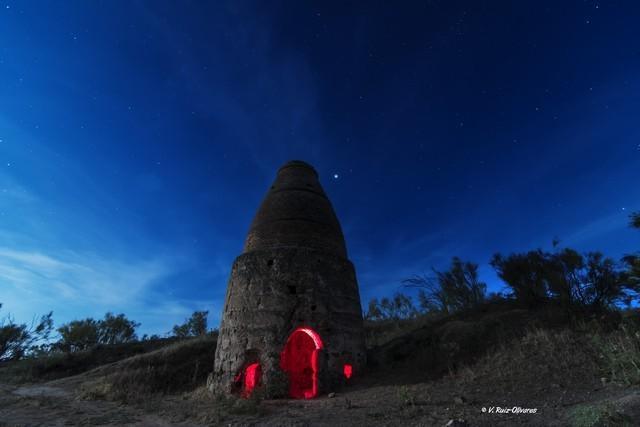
(137,139)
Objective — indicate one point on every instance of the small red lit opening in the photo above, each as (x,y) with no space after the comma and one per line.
(300,360)
(251,379)
(348,371)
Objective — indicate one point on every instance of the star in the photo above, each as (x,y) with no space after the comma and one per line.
(336,176)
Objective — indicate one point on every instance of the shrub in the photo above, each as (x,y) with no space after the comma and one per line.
(620,353)
(116,329)
(194,326)
(576,281)
(597,415)
(79,335)
(456,289)
(524,274)
(19,340)
(397,308)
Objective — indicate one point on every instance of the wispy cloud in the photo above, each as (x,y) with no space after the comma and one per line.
(12,192)
(598,228)
(77,285)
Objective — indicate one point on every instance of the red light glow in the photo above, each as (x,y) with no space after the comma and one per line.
(300,360)
(348,371)
(251,379)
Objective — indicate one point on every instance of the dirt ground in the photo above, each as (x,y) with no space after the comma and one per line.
(434,403)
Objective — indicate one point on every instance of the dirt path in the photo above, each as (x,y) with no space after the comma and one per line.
(46,405)
(427,404)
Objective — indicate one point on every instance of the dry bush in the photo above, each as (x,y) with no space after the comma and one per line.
(620,354)
(598,415)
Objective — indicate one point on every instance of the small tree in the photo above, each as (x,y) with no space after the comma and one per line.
(590,280)
(116,329)
(524,274)
(431,296)
(403,307)
(19,340)
(458,288)
(152,337)
(78,335)
(398,307)
(572,279)
(632,261)
(635,219)
(461,285)
(194,326)
(386,308)
(373,311)
(562,275)
(83,334)
(603,282)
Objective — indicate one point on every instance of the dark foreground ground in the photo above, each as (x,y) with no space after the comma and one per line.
(426,404)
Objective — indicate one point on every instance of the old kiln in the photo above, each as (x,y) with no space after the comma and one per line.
(292,319)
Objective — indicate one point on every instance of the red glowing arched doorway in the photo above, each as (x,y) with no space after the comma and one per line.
(299,359)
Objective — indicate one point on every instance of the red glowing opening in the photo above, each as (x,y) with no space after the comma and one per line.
(300,360)
(251,378)
(348,371)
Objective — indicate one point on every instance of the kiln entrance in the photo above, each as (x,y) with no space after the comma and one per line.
(299,360)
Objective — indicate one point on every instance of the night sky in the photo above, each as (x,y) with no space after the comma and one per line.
(137,139)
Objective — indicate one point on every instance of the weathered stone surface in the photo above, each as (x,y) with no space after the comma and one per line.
(296,213)
(293,273)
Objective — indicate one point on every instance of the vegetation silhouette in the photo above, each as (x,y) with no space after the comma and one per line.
(194,326)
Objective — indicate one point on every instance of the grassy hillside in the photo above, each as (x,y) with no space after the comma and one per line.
(435,347)
(181,366)
(60,365)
